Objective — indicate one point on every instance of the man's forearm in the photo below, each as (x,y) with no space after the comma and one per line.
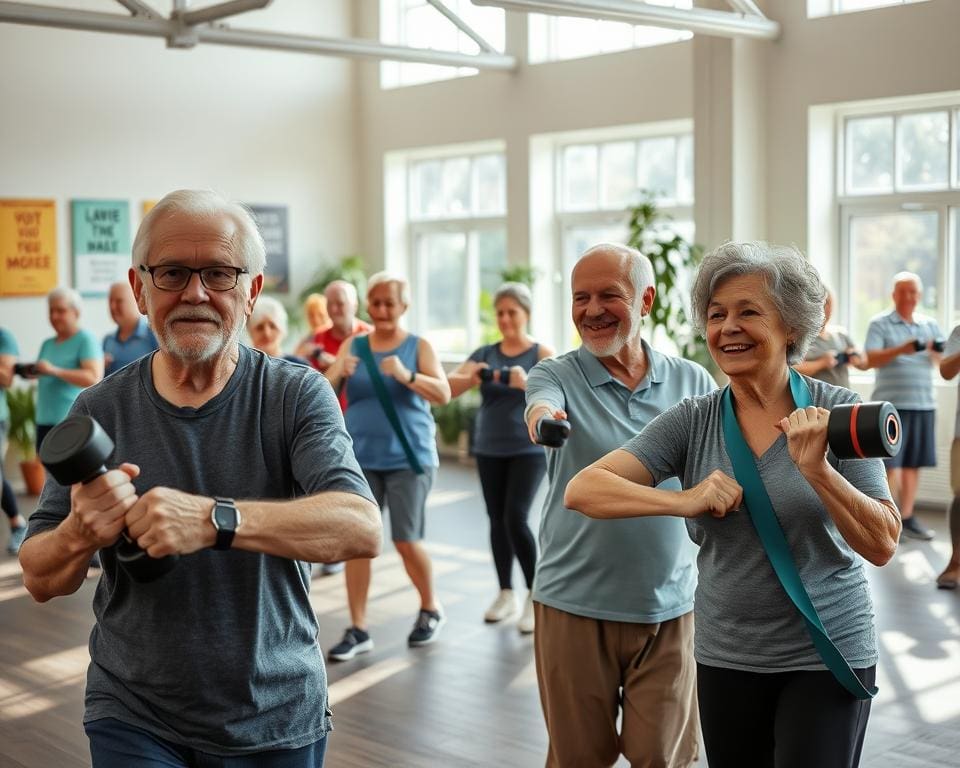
(54,562)
(324,528)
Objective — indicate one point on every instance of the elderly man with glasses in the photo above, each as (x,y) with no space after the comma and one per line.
(235,461)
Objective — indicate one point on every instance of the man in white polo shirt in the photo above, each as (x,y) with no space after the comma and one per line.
(900,345)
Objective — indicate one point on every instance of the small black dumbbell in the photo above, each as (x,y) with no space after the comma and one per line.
(26,370)
(864,431)
(553,433)
(843,358)
(503,374)
(939,345)
(74,451)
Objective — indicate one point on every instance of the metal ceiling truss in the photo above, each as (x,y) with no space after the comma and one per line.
(185,28)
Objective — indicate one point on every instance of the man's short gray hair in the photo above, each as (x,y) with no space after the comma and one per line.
(906,277)
(349,288)
(519,292)
(378,278)
(641,269)
(793,285)
(204,203)
(269,307)
(68,295)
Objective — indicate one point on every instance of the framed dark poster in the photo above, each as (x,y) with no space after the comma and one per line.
(274,227)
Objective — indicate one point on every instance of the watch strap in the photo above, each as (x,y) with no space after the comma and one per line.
(225,533)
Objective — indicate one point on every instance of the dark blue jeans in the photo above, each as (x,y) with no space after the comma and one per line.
(114,744)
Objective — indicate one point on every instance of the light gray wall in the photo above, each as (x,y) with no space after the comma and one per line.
(92,115)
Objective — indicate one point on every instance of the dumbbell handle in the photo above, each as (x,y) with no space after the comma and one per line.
(553,433)
(132,557)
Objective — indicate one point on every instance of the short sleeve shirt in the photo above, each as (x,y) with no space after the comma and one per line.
(8,346)
(638,570)
(907,380)
(55,396)
(744,619)
(141,342)
(833,341)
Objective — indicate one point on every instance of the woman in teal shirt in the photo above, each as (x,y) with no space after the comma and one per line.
(67,364)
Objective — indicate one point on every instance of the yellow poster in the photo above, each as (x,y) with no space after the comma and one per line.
(28,247)
(148,206)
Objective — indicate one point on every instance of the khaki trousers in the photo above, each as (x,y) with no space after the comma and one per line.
(589,670)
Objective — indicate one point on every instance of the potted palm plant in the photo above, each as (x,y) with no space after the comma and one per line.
(23,432)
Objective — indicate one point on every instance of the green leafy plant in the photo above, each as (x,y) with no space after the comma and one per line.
(674,261)
(22,402)
(456,416)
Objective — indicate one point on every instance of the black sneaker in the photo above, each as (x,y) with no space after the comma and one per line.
(912,529)
(427,627)
(354,641)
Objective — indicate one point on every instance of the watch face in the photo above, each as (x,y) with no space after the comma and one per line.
(225,517)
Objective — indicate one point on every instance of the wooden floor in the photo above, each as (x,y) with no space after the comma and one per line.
(471,699)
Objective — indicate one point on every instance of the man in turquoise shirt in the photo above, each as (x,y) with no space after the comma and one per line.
(133,338)
(68,362)
(613,598)
(8,357)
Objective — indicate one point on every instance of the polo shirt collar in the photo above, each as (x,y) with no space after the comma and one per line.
(598,375)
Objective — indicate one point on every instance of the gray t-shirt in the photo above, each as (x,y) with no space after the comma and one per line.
(221,653)
(745,620)
(833,341)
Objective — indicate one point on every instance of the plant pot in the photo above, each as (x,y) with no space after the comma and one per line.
(34,475)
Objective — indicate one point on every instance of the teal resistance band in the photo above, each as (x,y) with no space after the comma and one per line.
(774,542)
(362,345)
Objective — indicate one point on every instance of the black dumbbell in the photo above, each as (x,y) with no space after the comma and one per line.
(553,433)
(74,451)
(843,358)
(487,374)
(864,431)
(939,345)
(26,370)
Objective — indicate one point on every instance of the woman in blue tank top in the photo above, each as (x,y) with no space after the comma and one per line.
(509,465)
(392,375)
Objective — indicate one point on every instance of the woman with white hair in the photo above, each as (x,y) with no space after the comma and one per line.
(267,327)
(510,466)
(785,642)
(392,378)
(68,362)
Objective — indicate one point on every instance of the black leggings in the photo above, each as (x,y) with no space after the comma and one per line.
(781,719)
(509,485)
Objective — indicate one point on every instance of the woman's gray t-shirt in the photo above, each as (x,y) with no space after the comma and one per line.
(744,619)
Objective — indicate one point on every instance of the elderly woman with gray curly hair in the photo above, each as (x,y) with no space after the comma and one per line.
(785,642)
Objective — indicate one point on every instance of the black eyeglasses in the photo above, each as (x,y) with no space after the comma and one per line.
(172,277)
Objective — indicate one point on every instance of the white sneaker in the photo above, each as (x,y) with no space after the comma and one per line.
(527,621)
(503,607)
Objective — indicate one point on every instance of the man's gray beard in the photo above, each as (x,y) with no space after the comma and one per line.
(214,346)
(623,338)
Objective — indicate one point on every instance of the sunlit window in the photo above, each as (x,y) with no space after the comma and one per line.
(454,239)
(899,202)
(833,7)
(554,38)
(418,24)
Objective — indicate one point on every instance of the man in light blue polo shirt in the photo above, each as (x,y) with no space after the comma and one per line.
(613,598)
(133,338)
(901,346)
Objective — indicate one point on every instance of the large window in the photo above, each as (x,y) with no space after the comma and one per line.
(899,195)
(832,7)
(418,24)
(454,238)
(553,38)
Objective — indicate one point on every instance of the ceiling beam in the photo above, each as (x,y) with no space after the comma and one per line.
(353,47)
(221,11)
(462,26)
(703,21)
(179,35)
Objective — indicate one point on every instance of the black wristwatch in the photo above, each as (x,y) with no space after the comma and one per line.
(226,519)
